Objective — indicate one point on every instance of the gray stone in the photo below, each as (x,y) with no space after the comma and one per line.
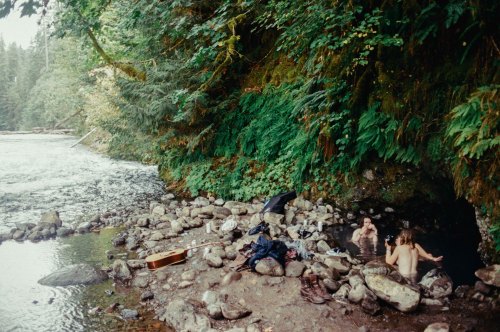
(342,292)
(438,327)
(51,217)
(147,295)
(18,235)
(270,267)
(214,311)
(129,314)
(141,280)
(210,297)
(436,284)
(303,204)
(83,227)
(323,246)
(370,305)
(182,316)
(234,311)
(136,263)
(156,236)
(490,275)
(220,212)
(405,298)
(214,260)
(376,267)
(482,287)
(357,293)
(274,218)
(338,263)
(230,277)
(159,210)
(368,174)
(294,269)
(64,231)
(323,271)
(78,274)
(189,275)
(331,285)
(185,284)
(121,270)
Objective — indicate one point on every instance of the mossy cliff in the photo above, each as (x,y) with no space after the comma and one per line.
(249,98)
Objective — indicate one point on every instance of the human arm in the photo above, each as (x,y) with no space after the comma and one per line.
(356,235)
(427,255)
(391,257)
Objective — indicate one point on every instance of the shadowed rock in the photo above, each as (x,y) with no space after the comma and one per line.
(79,274)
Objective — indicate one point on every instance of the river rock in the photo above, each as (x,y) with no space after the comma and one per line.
(490,275)
(210,297)
(214,311)
(141,280)
(121,270)
(159,210)
(18,235)
(331,285)
(303,204)
(405,298)
(35,236)
(51,218)
(324,272)
(436,284)
(84,227)
(294,269)
(156,236)
(273,218)
(214,260)
(64,231)
(270,267)
(338,263)
(189,275)
(132,243)
(376,267)
(437,327)
(129,314)
(370,305)
(323,246)
(78,274)
(482,287)
(234,311)
(220,212)
(357,293)
(230,277)
(182,316)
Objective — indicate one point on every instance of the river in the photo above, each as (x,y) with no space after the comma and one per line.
(39,173)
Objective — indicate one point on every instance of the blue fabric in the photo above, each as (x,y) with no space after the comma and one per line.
(268,248)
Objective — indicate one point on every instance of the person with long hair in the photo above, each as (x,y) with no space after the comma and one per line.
(406,255)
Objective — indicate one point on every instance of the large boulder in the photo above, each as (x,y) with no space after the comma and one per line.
(376,267)
(78,274)
(490,275)
(403,297)
(50,218)
(270,267)
(182,316)
(436,284)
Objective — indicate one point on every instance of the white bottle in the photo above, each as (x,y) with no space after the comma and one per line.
(208,228)
(320,226)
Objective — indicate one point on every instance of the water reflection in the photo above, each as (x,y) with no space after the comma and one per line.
(27,306)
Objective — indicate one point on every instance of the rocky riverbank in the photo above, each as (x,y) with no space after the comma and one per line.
(206,292)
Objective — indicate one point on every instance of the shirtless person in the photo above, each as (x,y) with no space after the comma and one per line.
(368,231)
(406,255)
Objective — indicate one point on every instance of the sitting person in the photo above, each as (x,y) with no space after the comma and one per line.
(406,254)
(368,231)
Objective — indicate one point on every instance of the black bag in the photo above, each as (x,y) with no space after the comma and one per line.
(277,203)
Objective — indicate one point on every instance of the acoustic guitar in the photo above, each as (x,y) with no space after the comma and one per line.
(171,257)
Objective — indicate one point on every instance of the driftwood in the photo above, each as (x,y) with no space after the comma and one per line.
(67,118)
(84,137)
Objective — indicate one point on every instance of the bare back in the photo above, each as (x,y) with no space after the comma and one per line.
(407,260)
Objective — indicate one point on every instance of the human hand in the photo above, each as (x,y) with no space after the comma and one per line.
(437,259)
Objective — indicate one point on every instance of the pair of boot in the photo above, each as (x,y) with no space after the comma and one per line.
(313,290)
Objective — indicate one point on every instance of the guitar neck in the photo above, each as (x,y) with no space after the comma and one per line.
(206,244)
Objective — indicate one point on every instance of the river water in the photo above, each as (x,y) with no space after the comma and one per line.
(43,172)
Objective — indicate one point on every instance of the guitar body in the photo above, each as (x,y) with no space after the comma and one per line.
(166,258)
(170,257)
